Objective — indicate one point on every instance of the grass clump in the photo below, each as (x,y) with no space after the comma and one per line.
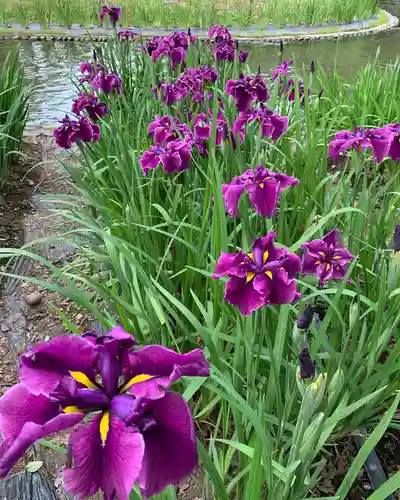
(13,111)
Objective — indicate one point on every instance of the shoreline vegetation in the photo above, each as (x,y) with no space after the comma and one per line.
(381,22)
(188,13)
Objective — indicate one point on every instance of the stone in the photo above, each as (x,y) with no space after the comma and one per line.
(33,299)
(5,328)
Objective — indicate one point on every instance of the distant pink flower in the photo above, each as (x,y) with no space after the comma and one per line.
(127,34)
(282,69)
(113,12)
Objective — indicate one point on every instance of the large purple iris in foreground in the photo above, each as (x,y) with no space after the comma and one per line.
(264,188)
(326,258)
(262,277)
(138,430)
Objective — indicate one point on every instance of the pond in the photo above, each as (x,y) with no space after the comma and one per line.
(50,65)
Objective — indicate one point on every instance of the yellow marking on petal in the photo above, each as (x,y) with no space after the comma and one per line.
(104,427)
(269,274)
(336,257)
(318,262)
(250,276)
(251,256)
(328,266)
(72,409)
(322,253)
(135,380)
(83,379)
(261,185)
(265,256)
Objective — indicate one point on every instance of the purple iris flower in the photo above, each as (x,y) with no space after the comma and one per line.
(174,157)
(72,131)
(177,56)
(87,67)
(224,50)
(217,31)
(394,151)
(179,39)
(138,431)
(127,34)
(265,276)
(272,124)
(243,55)
(246,90)
(326,258)
(208,73)
(221,126)
(173,47)
(152,44)
(264,188)
(379,140)
(90,104)
(282,69)
(163,49)
(113,12)
(202,126)
(192,82)
(107,83)
(165,129)
(90,69)
(290,90)
(170,93)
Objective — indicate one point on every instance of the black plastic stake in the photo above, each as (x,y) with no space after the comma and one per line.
(372,465)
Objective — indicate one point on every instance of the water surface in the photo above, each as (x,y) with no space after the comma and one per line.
(50,65)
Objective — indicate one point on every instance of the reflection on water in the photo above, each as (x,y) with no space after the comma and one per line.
(50,65)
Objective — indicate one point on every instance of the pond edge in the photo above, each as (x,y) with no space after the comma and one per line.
(391,22)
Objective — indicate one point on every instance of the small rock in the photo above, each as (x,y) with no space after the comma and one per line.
(4,328)
(33,299)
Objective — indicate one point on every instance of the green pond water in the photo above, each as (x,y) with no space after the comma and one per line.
(50,66)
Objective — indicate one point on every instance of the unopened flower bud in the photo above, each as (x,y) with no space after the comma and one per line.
(305,319)
(307,365)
